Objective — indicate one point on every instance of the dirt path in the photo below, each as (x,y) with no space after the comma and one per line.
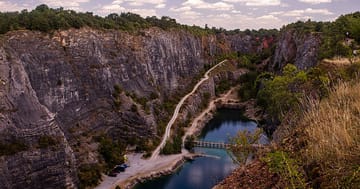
(146,167)
(201,119)
(156,152)
(140,168)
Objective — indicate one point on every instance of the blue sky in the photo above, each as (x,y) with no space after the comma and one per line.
(229,14)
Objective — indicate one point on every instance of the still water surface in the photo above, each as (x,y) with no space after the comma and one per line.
(205,172)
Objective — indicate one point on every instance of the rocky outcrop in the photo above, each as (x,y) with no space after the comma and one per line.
(62,86)
(300,49)
(23,118)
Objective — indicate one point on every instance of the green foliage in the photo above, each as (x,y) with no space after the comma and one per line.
(13,147)
(89,175)
(248,88)
(172,146)
(46,19)
(333,34)
(279,162)
(282,93)
(223,86)
(112,151)
(189,142)
(46,141)
(153,95)
(242,144)
(116,95)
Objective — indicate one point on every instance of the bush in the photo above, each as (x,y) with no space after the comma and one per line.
(242,144)
(189,142)
(223,86)
(47,141)
(116,95)
(248,88)
(172,146)
(13,147)
(89,175)
(112,151)
(279,162)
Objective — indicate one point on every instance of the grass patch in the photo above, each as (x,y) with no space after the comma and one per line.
(332,129)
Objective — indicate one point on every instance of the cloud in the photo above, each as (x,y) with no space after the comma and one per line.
(64,3)
(200,4)
(315,1)
(160,6)
(143,2)
(256,2)
(112,8)
(185,12)
(236,21)
(318,11)
(301,13)
(119,6)
(143,12)
(181,9)
(6,6)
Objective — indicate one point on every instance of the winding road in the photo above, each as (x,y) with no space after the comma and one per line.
(156,152)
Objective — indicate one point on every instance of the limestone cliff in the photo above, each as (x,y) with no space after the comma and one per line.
(300,49)
(61,86)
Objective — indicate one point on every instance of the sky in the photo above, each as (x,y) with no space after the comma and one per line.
(228,14)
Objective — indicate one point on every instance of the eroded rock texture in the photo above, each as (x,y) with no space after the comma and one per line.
(61,86)
(300,49)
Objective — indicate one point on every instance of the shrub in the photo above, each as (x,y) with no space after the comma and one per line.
(242,144)
(47,141)
(13,147)
(116,95)
(89,175)
(248,88)
(112,151)
(189,142)
(279,162)
(223,86)
(172,146)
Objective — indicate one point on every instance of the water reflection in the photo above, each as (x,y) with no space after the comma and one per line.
(205,172)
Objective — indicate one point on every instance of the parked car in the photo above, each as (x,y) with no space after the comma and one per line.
(120,168)
(112,174)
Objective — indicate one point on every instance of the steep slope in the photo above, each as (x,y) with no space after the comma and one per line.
(61,91)
(298,48)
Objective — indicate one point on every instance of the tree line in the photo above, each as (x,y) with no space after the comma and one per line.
(46,19)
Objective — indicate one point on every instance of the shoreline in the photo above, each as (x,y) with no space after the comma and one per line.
(165,165)
(197,125)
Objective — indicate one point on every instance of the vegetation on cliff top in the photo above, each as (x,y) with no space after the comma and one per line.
(333,34)
(46,19)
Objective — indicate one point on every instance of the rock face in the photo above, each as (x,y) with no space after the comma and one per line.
(296,48)
(24,118)
(61,86)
